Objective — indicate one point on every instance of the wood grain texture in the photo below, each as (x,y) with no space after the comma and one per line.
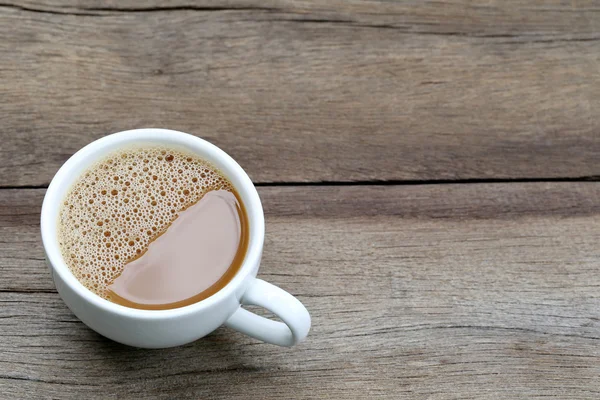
(479,291)
(435,291)
(303,91)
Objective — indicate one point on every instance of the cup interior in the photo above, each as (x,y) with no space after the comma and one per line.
(95,151)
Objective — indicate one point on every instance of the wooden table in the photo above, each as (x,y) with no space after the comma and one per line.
(429,172)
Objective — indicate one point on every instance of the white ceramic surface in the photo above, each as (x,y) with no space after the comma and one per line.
(167,328)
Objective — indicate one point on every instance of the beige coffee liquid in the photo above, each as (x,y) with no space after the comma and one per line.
(153,227)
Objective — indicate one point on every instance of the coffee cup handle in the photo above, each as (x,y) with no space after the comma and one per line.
(295,317)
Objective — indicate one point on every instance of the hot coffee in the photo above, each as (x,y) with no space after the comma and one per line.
(153,227)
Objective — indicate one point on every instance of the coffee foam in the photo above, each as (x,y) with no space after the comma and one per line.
(120,204)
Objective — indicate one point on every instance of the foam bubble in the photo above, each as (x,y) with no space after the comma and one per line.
(117,207)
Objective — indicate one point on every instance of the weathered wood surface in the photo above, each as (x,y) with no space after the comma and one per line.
(304,91)
(479,291)
(436,291)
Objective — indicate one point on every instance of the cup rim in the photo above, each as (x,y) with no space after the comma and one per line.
(94,151)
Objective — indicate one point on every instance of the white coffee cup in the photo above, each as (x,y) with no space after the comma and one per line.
(167,328)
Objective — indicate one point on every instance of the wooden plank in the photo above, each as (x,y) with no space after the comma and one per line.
(493,18)
(430,291)
(303,92)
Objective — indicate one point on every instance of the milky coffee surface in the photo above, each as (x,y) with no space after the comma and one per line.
(123,203)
